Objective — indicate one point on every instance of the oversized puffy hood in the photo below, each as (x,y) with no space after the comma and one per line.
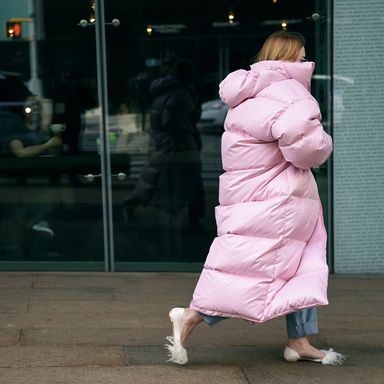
(241,85)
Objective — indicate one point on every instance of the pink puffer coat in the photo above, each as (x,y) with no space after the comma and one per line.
(269,256)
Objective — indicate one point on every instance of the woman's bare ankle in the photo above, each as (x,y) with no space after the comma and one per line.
(304,348)
(300,342)
(191,319)
(190,315)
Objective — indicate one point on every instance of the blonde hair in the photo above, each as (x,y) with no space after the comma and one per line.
(281,45)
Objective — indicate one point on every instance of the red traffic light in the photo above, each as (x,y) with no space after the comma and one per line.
(13,30)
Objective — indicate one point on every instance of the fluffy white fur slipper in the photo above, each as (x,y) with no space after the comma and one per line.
(177,353)
(331,357)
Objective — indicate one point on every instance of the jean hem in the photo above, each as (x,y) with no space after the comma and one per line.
(302,330)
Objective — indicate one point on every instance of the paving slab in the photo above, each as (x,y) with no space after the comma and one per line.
(203,335)
(356,282)
(13,306)
(118,375)
(116,281)
(350,338)
(211,355)
(60,356)
(358,308)
(313,375)
(349,319)
(101,305)
(245,356)
(110,328)
(53,293)
(9,336)
(17,280)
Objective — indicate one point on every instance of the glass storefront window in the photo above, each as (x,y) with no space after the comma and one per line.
(164,185)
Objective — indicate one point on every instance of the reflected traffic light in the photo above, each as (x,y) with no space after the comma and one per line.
(13,29)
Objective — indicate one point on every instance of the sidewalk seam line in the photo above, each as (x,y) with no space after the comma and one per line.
(19,337)
(245,375)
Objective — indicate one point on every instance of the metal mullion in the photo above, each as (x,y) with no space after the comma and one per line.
(105,157)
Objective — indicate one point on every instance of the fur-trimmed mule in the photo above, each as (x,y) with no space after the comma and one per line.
(177,353)
(331,357)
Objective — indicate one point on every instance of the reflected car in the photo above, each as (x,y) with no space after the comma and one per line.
(213,113)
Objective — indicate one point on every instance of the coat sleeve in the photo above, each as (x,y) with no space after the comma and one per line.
(301,137)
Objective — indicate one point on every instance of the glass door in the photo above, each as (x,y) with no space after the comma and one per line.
(163,206)
(51,195)
(169,135)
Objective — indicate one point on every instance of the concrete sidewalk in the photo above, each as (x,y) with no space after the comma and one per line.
(109,328)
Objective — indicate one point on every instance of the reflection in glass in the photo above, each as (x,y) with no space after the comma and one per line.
(175,224)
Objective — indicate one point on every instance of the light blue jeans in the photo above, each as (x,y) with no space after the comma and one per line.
(299,324)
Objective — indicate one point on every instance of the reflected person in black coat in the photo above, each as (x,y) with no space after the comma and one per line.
(171,179)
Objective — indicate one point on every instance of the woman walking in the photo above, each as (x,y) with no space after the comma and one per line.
(269,258)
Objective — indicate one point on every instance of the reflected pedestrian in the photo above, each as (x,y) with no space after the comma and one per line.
(171,179)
